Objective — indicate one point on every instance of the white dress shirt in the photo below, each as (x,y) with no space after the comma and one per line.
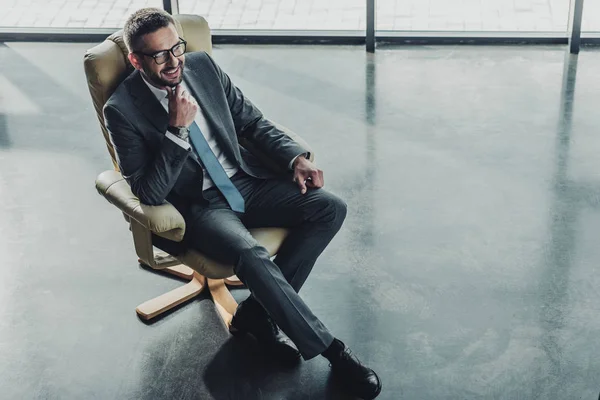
(229,167)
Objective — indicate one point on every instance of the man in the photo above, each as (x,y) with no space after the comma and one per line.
(175,124)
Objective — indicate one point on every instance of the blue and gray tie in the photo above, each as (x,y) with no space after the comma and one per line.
(215,169)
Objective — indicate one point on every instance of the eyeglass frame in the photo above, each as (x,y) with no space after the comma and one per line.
(155,54)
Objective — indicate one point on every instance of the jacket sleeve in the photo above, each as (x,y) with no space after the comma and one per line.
(150,175)
(251,124)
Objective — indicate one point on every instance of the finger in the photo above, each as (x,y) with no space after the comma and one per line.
(192,101)
(316,179)
(178,90)
(190,98)
(301,182)
(302,186)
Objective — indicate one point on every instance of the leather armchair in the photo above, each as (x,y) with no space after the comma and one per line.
(106,65)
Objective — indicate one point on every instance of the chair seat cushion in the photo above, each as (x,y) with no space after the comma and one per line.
(269,238)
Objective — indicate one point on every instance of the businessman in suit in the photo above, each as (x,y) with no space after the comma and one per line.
(175,123)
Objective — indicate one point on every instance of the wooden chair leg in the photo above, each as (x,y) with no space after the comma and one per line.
(224,301)
(182,271)
(233,280)
(167,301)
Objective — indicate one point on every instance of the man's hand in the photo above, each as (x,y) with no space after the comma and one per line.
(182,107)
(306,174)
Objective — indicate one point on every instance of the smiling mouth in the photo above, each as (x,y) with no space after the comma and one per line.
(171,72)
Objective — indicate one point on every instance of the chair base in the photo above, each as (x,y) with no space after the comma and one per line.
(224,301)
(234,281)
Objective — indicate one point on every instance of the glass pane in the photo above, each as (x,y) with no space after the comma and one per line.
(279,14)
(591,16)
(473,15)
(70,13)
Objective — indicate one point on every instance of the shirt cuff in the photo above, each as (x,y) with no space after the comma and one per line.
(291,166)
(178,141)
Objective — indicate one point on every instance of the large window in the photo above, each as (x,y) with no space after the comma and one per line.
(280,14)
(591,16)
(69,13)
(518,16)
(473,15)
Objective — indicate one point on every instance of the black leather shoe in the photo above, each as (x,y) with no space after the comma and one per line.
(356,379)
(250,318)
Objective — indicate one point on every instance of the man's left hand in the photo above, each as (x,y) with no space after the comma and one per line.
(307,175)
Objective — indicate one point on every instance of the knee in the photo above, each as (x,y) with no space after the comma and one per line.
(335,210)
(251,257)
(340,209)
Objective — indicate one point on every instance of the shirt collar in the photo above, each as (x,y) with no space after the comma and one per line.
(161,94)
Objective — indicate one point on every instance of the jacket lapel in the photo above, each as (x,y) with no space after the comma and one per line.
(147,103)
(203,92)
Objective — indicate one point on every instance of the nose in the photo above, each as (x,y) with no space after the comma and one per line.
(173,61)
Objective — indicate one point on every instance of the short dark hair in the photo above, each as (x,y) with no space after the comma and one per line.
(143,21)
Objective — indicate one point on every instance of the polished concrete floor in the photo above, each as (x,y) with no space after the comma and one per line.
(468,266)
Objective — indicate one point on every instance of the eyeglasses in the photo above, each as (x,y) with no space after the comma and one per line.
(161,57)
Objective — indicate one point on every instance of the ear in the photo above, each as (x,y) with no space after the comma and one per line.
(135,60)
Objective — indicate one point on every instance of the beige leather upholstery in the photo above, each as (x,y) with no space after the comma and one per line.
(164,220)
(270,238)
(106,65)
(194,29)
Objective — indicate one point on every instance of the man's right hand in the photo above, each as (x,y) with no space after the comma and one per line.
(182,107)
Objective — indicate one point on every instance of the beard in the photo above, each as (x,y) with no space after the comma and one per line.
(161,80)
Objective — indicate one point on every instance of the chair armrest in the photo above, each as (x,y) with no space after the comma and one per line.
(163,220)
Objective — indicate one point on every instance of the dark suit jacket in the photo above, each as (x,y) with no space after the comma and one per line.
(156,168)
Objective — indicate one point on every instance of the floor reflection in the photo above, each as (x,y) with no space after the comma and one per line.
(564,210)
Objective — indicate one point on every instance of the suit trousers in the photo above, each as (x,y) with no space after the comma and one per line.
(313,219)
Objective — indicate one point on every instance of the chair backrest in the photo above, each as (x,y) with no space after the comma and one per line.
(106,65)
